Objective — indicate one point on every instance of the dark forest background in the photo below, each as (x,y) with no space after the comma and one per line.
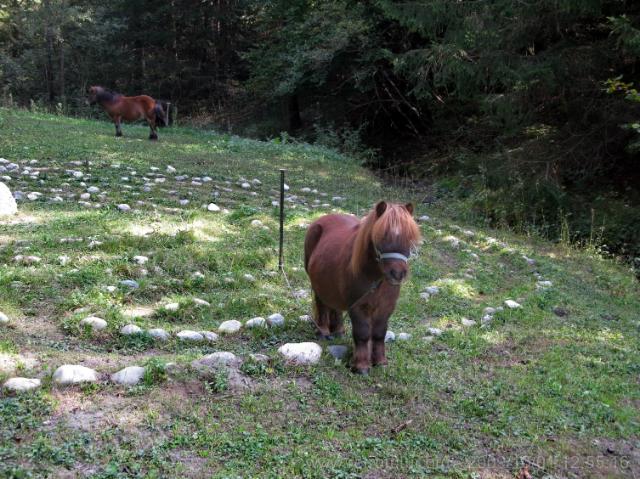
(526,110)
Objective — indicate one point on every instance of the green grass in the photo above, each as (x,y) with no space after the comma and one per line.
(559,392)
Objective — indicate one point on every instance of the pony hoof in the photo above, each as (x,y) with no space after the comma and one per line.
(153,138)
(325,337)
(361,371)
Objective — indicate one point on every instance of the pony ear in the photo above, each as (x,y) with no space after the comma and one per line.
(409,208)
(381,207)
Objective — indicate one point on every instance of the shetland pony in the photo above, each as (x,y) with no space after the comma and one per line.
(128,108)
(358,266)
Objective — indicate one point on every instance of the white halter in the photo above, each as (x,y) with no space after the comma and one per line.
(382,256)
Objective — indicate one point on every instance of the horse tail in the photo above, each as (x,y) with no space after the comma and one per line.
(160,114)
(310,241)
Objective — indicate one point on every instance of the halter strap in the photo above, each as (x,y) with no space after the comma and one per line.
(382,256)
(400,256)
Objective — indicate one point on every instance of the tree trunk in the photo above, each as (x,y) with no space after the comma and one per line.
(48,36)
(295,122)
(61,72)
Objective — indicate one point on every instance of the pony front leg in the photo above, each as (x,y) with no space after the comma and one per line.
(118,121)
(378,334)
(152,125)
(361,327)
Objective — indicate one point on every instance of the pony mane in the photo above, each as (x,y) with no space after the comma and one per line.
(395,220)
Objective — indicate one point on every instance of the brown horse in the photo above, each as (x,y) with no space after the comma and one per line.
(358,266)
(128,108)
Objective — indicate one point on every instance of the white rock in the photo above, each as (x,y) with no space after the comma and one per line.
(403,337)
(338,351)
(425,296)
(94,322)
(487,318)
(489,310)
(257,322)
(275,320)
(8,205)
(4,319)
(172,306)
(124,207)
(140,259)
(389,337)
(509,303)
(190,335)
(130,283)
(434,331)
(230,327)
(128,376)
(74,374)
(197,275)
(213,207)
(301,353)
(184,202)
(544,284)
(305,190)
(452,240)
(201,302)
(85,196)
(432,289)
(256,182)
(171,169)
(209,336)
(159,334)
(249,277)
(305,318)
(93,189)
(245,185)
(33,196)
(256,223)
(259,358)
(130,329)
(19,385)
(216,361)
(468,322)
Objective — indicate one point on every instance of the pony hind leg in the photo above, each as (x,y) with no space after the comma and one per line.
(336,323)
(321,318)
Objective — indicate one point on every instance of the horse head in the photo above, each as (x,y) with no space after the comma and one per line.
(387,236)
(93,93)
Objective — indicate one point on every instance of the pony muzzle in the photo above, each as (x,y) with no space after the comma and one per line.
(394,266)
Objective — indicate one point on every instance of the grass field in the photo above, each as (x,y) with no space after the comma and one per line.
(558,392)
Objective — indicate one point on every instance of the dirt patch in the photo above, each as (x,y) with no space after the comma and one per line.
(191,465)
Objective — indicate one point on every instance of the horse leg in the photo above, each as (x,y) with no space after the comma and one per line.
(361,327)
(321,318)
(152,124)
(378,334)
(336,325)
(117,121)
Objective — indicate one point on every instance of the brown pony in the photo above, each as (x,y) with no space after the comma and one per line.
(358,266)
(128,108)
